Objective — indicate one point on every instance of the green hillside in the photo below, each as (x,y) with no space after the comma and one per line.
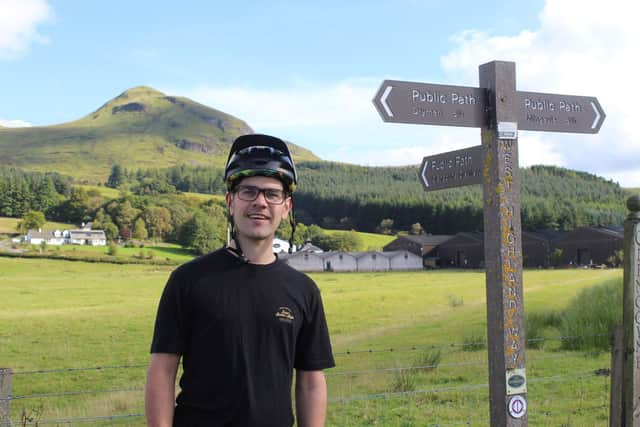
(141,128)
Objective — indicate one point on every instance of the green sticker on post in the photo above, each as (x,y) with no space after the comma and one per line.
(516,381)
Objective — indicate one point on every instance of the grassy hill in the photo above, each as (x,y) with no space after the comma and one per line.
(140,128)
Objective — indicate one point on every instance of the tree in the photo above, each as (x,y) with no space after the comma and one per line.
(110,229)
(386,226)
(116,178)
(346,242)
(122,213)
(203,233)
(140,229)
(32,220)
(158,220)
(556,257)
(416,229)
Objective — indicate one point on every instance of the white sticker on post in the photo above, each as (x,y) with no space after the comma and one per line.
(517,406)
(507,130)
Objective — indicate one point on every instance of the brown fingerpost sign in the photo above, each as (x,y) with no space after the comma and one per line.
(500,111)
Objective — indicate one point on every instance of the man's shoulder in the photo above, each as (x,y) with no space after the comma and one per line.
(296,276)
(213,261)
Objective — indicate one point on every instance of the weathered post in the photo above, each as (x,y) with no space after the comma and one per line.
(503,248)
(631,316)
(617,360)
(5,397)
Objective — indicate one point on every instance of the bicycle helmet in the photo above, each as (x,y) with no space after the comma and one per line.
(260,155)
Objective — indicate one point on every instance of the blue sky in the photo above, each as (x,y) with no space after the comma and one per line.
(307,71)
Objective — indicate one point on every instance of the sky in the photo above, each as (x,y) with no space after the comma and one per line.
(307,71)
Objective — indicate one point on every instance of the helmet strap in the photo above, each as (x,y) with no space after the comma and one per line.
(231,235)
(293,229)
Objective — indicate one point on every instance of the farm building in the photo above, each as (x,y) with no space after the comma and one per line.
(371,261)
(589,245)
(304,261)
(424,245)
(403,260)
(340,261)
(464,250)
(66,237)
(353,261)
(36,237)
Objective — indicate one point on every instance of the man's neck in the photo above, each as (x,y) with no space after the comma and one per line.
(257,252)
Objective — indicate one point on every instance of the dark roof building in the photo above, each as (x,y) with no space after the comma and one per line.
(589,245)
(420,244)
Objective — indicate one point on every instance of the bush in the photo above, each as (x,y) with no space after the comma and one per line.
(589,318)
(403,380)
(536,323)
(112,249)
(429,359)
(455,301)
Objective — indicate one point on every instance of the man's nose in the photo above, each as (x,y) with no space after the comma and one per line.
(261,199)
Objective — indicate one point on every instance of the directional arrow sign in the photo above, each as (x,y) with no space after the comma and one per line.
(452,169)
(431,104)
(559,113)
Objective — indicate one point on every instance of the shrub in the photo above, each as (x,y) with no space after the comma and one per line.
(112,249)
(429,359)
(536,323)
(589,318)
(455,301)
(403,380)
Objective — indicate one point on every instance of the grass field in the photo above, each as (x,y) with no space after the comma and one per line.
(158,251)
(58,315)
(370,241)
(8,225)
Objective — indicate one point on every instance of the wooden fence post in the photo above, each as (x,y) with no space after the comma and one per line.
(5,397)
(617,359)
(631,316)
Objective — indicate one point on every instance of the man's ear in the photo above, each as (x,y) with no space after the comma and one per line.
(227,198)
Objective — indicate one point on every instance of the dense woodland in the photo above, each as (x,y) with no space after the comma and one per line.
(335,195)
(331,195)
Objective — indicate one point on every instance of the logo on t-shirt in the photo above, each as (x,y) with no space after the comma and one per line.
(284,314)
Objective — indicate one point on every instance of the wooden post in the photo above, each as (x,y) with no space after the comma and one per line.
(5,397)
(503,248)
(631,316)
(617,358)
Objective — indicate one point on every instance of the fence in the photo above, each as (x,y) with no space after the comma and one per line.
(437,385)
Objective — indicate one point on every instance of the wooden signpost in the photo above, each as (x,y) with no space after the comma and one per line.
(499,110)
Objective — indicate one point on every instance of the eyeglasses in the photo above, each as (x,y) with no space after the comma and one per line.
(249,193)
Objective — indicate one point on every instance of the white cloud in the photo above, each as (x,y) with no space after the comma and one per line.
(303,105)
(14,123)
(583,48)
(19,20)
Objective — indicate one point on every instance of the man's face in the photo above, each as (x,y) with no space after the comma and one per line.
(257,219)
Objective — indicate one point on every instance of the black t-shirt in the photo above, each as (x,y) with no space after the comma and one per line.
(241,329)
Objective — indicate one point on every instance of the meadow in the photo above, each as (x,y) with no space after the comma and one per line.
(408,346)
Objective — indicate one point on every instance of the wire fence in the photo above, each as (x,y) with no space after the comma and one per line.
(381,386)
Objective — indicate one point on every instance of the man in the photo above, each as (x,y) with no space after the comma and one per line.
(242,320)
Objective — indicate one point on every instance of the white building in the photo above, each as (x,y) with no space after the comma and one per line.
(372,261)
(340,261)
(304,261)
(403,260)
(66,237)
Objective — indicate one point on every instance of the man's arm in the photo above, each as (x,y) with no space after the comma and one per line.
(159,398)
(311,398)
